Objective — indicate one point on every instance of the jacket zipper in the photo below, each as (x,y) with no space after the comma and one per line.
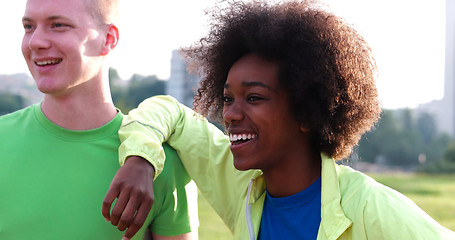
(249,222)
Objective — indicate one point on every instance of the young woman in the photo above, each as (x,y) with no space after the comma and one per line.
(295,87)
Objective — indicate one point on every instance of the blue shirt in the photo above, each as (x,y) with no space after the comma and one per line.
(294,217)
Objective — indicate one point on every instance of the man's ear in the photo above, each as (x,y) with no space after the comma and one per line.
(112,37)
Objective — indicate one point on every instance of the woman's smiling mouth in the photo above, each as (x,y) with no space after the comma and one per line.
(241,138)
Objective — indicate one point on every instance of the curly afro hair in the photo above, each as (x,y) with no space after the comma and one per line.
(325,66)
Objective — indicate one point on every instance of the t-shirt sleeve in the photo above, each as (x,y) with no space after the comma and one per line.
(174,199)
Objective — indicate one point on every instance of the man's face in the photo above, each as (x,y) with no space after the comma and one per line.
(62,44)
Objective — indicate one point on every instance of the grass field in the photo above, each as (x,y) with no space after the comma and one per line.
(433,193)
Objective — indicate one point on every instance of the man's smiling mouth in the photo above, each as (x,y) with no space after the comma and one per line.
(48,62)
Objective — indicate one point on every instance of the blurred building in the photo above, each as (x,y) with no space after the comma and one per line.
(181,84)
(444,110)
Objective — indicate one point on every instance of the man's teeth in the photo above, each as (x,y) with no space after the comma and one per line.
(236,137)
(48,62)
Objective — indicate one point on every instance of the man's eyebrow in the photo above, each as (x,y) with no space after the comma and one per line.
(50,18)
(27,19)
(251,84)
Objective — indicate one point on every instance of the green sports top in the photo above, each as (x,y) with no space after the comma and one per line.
(53,181)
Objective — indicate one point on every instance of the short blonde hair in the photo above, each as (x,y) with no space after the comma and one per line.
(106,11)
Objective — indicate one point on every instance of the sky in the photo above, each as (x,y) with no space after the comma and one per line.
(407,38)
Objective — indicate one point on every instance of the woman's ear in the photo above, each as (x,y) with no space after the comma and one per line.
(112,36)
(303,128)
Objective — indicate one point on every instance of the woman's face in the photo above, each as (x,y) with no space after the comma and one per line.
(262,130)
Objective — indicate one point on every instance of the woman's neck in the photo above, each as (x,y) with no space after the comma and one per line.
(293,176)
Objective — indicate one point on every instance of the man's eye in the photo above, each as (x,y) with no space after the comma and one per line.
(28,27)
(56,25)
(60,25)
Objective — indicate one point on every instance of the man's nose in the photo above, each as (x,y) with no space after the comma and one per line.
(38,39)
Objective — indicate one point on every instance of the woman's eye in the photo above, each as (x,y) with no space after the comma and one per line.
(254,98)
(227,99)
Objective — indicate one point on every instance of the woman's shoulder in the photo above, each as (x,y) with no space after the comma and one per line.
(383,211)
(359,188)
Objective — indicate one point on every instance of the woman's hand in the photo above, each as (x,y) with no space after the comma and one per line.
(133,187)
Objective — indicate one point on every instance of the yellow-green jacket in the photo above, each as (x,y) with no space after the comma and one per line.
(353,205)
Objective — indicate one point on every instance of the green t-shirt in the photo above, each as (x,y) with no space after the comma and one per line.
(53,181)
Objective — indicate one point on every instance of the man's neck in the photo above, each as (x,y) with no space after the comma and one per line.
(79,112)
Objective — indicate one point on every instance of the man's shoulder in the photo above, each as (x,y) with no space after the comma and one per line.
(13,119)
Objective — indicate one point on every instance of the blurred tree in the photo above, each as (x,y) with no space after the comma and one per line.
(446,164)
(403,148)
(426,126)
(434,151)
(114,77)
(118,90)
(376,142)
(141,87)
(408,121)
(10,102)
(128,94)
(399,139)
(449,154)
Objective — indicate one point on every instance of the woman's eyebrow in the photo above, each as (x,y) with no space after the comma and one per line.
(251,84)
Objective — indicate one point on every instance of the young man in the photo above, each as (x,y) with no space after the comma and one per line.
(59,156)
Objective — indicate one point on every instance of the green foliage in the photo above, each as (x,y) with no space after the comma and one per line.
(426,125)
(436,148)
(10,102)
(114,77)
(141,88)
(449,155)
(408,120)
(445,162)
(125,94)
(374,143)
(128,94)
(400,138)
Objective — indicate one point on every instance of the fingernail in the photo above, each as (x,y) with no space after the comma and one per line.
(124,238)
(107,219)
